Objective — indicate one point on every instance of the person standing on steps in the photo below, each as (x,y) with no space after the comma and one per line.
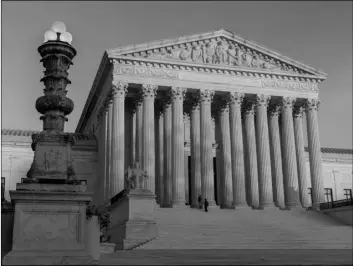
(206,205)
(200,201)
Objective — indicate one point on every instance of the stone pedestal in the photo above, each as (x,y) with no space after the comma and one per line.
(49,226)
(132,220)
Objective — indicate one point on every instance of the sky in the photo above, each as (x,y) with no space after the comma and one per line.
(316,33)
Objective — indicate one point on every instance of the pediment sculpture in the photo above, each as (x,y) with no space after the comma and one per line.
(136,178)
(222,52)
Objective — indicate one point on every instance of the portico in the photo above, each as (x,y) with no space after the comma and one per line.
(255,99)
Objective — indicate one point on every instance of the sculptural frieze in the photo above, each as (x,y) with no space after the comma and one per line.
(222,52)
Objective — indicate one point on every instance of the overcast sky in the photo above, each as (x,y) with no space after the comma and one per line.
(316,33)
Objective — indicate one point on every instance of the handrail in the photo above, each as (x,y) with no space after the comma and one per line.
(336,204)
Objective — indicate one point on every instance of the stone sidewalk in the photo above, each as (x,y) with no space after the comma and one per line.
(228,257)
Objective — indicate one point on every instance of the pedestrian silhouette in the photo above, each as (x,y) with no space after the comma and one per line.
(200,201)
(206,205)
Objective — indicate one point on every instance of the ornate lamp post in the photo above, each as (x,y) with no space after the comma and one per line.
(57,54)
(52,147)
(50,204)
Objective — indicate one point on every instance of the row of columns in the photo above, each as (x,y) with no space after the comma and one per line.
(261,148)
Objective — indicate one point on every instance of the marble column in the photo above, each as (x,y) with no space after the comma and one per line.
(161,158)
(226,189)
(195,153)
(156,147)
(237,152)
(263,151)
(207,179)
(291,190)
(102,153)
(301,162)
(167,152)
(250,137)
(317,182)
(118,139)
(109,148)
(186,174)
(276,155)
(138,137)
(177,95)
(133,134)
(149,93)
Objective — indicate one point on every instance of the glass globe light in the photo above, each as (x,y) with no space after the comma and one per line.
(66,37)
(58,26)
(50,35)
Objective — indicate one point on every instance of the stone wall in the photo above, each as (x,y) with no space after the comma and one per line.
(17,157)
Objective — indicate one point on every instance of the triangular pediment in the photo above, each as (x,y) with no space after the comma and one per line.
(217,48)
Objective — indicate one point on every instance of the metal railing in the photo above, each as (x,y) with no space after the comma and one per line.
(336,204)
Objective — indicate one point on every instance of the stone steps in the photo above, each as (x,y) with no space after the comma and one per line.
(185,228)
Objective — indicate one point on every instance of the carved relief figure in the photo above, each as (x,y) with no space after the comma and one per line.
(196,54)
(219,53)
(169,55)
(247,58)
(185,54)
(239,56)
(51,160)
(255,61)
(232,56)
(209,53)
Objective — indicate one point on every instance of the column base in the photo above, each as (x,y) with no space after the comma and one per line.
(223,206)
(179,203)
(285,208)
(166,205)
(242,207)
(257,208)
(268,206)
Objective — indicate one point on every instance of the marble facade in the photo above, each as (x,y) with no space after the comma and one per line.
(257,97)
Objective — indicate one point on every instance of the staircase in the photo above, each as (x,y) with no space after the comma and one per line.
(186,228)
(243,236)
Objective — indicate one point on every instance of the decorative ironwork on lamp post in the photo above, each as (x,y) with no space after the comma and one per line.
(57,54)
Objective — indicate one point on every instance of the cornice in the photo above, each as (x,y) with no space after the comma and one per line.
(103,64)
(215,69)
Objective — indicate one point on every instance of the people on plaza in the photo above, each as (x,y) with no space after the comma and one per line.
(200,201)
(206,205)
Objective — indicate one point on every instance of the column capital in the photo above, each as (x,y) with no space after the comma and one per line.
(274,109)
(177,94)
(186,116)
(206,95)
(249,107)
(262,100)
(119,89)
(195,104)
(223,106)
(298,110)
(236,97)
(288,102)
(149,91)
(166,104)
(312,104)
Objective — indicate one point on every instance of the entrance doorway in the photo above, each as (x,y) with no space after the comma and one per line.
(215,180)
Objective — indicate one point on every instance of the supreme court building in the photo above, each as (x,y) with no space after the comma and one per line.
(211,114)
